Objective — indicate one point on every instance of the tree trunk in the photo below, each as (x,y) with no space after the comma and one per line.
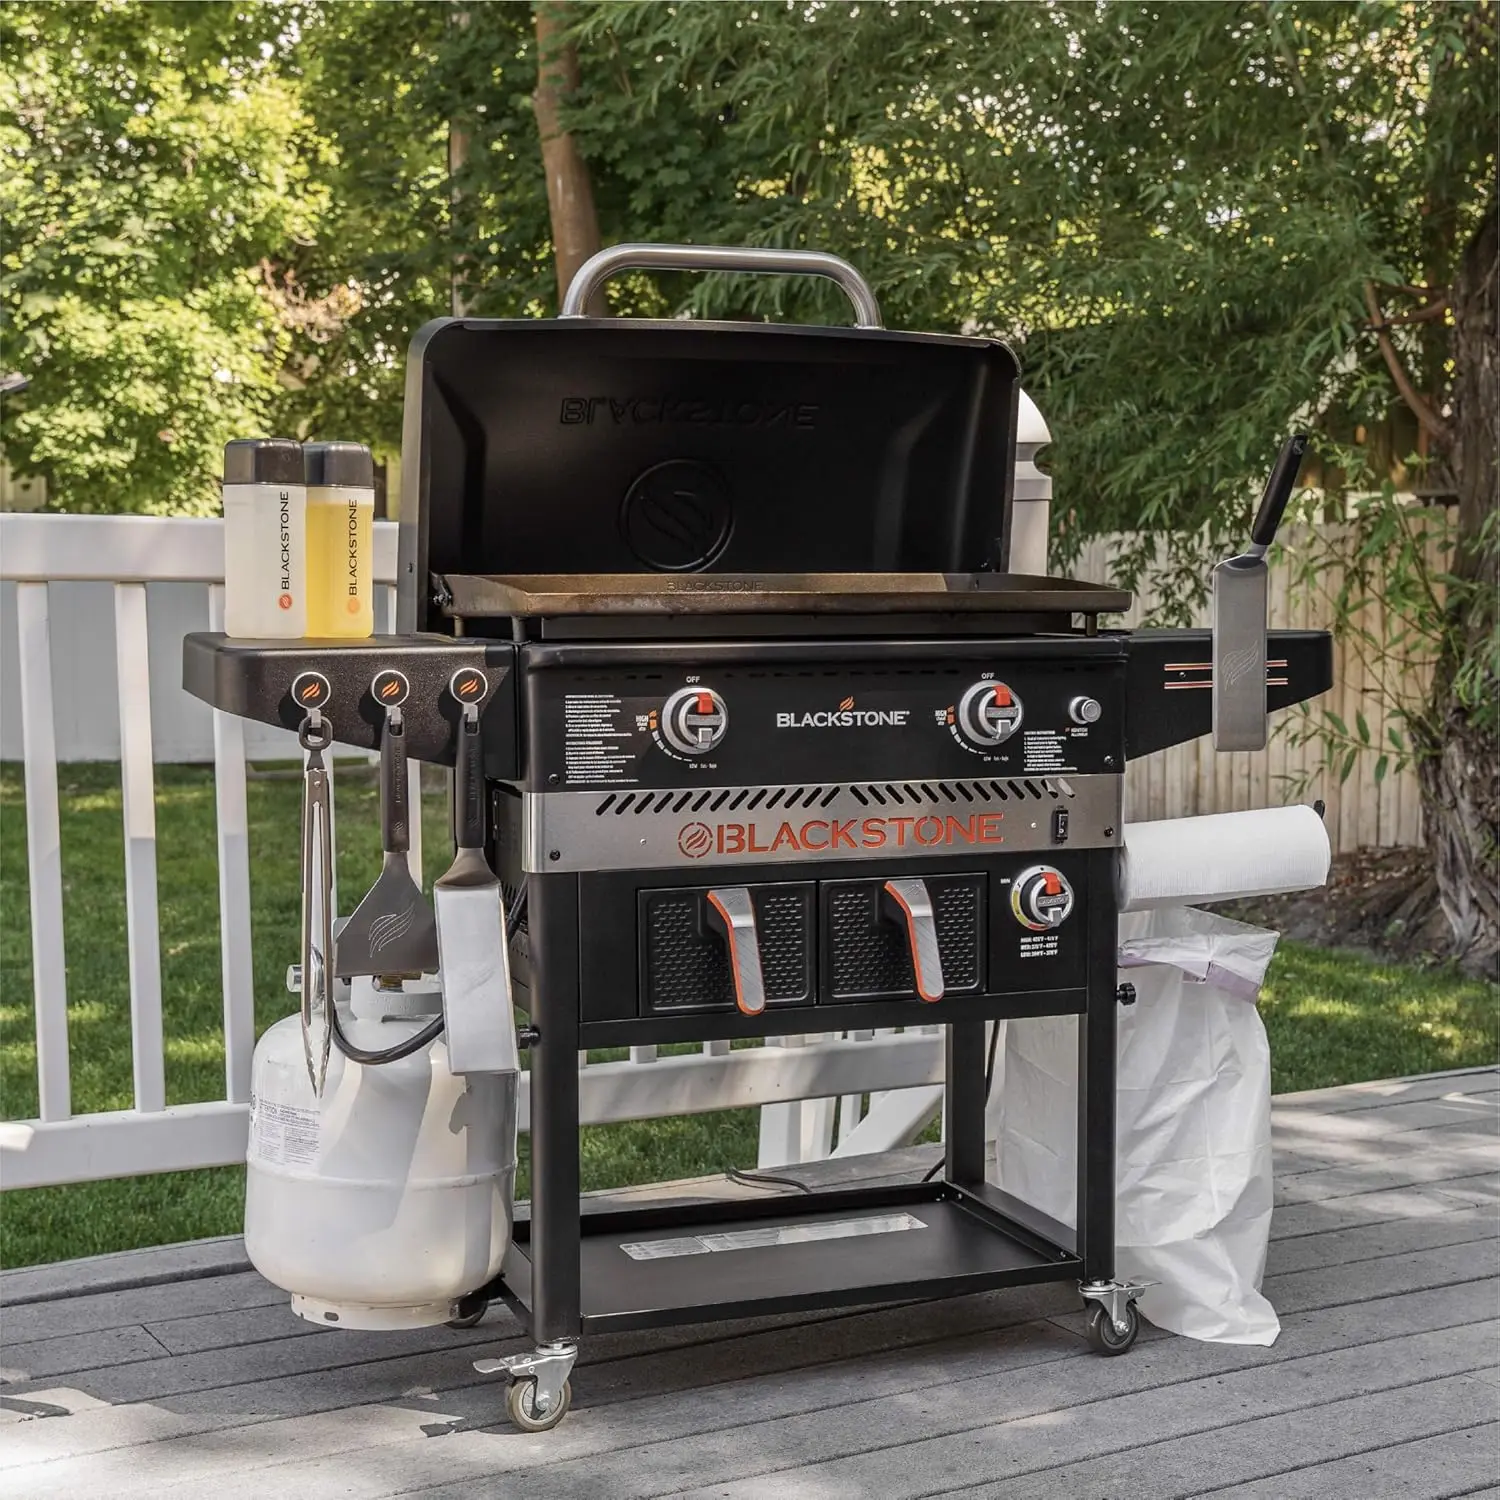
(570,193)
(1459,768)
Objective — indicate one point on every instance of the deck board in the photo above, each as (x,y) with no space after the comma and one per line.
(178,1373)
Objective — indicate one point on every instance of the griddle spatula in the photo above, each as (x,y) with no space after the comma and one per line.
(1241,591)
(479,1024)
(392,930)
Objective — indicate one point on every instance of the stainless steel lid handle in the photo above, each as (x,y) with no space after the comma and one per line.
(736,918)
(597,269)
(913,907)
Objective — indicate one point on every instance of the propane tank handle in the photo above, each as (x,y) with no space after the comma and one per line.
(598,268)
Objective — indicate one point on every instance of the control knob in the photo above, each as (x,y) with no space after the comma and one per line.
(988,714)
(694,720)
(1041,898)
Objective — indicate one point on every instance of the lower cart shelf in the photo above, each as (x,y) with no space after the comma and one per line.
(648,1268)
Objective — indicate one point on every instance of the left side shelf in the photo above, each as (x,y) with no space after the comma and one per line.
(253,680)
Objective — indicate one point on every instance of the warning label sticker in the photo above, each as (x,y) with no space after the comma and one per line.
(283,1135)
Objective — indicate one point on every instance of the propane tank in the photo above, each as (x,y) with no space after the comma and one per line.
(383,1202)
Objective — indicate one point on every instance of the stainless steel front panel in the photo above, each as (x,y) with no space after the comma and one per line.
(654,830)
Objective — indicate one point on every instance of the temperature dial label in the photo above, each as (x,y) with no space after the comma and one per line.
(694,721)
(988,714)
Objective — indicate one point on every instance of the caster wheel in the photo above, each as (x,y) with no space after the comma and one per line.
(519,1402)
(470,1310)
(1105,1337)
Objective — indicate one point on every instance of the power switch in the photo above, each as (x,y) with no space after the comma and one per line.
(1060,826)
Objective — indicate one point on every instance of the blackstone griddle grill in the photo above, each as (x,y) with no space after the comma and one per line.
(774,745)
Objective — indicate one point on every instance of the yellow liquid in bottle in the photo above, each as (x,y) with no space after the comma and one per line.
(340,552)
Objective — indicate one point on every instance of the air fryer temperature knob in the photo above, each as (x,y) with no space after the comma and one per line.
(1041,898)
(694,720)
(989,713)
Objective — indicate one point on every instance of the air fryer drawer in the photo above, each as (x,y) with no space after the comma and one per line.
(684,962)
(864,955)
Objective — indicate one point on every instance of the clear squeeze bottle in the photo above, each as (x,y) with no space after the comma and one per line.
(340,534)
(265,539)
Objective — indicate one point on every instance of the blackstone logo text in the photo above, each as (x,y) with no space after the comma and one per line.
(285,538)
(833,835)
(847,718)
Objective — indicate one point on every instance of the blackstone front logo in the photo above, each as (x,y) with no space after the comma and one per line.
(695,839)
(832,836)
(845,716)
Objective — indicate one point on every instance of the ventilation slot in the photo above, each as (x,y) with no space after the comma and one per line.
(604,806)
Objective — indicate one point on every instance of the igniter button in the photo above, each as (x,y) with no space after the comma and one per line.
(1083,710)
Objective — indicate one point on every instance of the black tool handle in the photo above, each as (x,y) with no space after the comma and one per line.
(1278,490)
(395,827)
(468,788)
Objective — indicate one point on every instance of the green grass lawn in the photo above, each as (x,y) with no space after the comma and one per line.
(1332,1017)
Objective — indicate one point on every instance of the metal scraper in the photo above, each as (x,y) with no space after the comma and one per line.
(1241,590)
(479,1024)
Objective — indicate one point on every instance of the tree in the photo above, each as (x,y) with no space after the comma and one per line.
(570,190)
(152,159)
(1191,220)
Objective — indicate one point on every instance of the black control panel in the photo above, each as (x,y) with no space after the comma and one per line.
(603,719)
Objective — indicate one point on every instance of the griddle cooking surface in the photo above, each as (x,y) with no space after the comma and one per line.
(475,596)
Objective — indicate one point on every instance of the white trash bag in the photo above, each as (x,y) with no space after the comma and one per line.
(1193,1122)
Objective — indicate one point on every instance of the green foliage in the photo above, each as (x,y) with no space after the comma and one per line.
(152,159)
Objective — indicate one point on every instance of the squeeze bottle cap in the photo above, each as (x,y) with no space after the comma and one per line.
(263,461)
(345,464)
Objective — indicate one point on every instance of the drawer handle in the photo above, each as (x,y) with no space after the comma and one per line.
(733,917)
(913,908)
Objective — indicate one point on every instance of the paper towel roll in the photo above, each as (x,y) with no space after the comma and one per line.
(1222,857)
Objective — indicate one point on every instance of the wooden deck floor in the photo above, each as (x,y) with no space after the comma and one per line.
(177,1372)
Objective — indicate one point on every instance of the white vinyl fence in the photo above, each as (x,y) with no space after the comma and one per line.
(801,1083)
